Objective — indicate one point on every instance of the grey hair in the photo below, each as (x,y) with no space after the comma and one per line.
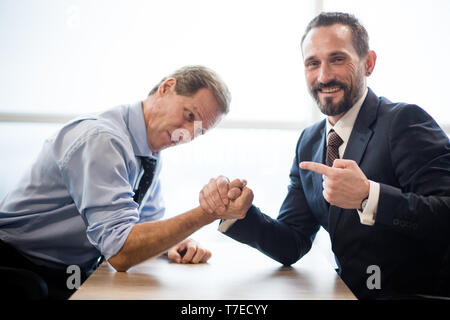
(190,79)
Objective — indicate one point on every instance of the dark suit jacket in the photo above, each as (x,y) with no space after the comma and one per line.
(399,146)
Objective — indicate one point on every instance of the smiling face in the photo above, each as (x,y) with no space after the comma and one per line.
(334,72)
(171,118)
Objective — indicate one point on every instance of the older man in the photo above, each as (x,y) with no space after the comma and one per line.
(375,174)
(94,189)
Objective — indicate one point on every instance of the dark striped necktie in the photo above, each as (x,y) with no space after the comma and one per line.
(334,142)
(149,165)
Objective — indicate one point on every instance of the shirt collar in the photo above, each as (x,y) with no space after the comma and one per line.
(137,128)
(345,124)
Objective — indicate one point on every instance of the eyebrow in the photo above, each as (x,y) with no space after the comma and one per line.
(337,53)
(332,54)
(309,59)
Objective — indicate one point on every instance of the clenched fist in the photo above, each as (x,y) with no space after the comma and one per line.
(225,199)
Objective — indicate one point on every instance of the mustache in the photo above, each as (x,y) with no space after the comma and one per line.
(333,83)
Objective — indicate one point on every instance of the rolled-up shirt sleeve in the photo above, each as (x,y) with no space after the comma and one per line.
(98,173)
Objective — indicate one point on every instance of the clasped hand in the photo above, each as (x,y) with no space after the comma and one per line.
(226,200)
(223,200)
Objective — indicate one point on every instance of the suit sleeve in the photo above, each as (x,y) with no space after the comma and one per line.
(420,153)
(286,238)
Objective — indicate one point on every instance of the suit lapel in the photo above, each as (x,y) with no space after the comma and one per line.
(362,132)
(357,144)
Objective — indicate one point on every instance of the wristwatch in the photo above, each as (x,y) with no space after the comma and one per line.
(363,204)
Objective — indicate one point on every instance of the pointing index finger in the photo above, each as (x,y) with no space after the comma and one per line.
(316,167)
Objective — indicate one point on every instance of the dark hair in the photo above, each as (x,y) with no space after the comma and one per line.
(360,38)
(190,79)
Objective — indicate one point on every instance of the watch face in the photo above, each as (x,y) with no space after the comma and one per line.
(364,203)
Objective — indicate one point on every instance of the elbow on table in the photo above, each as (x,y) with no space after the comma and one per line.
(287,262)
(288,257)
(119,263)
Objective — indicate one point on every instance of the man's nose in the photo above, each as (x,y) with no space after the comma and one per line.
(189,127)
(325,74)
(195,129)
(188,131)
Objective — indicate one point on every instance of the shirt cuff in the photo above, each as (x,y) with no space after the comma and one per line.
(368,216)
(226,224)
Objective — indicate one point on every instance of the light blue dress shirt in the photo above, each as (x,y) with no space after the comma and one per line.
(76,201)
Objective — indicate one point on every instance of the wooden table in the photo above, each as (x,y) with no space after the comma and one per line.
(235,272)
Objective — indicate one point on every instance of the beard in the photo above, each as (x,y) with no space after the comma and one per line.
(351,95)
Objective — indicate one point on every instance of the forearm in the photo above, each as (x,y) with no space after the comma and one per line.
(273,237)
(150,239)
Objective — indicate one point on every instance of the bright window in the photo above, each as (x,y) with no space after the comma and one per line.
(84,56)
(411,40)
(71,57)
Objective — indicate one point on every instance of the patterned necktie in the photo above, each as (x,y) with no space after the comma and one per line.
(334,141)
(149,166)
